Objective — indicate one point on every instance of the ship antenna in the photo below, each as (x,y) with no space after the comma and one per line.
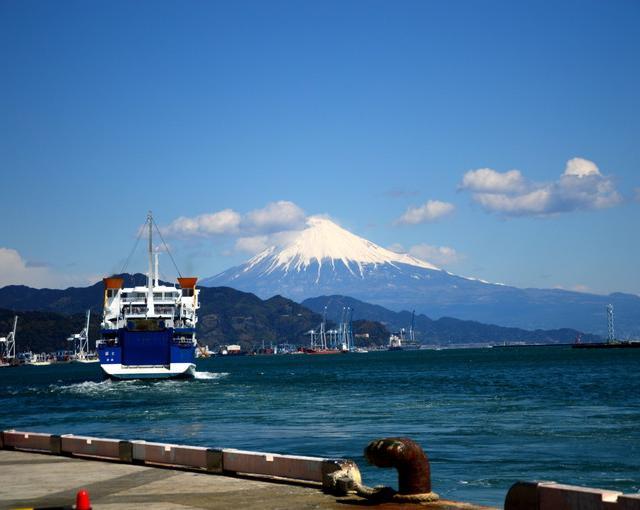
(150,303)
(150,275)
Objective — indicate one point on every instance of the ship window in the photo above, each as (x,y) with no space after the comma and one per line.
(187,292)
(111,292)
(145,325)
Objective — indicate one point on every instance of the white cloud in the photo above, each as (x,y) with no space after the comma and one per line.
(575,288)
(490,181)
(580,167)
(397,247)
(534,202)
(430,211)
(580,187)
(253,244)
(15,270)
(439,255)
(581,288)
(226,221)
(275,217)
(253,232)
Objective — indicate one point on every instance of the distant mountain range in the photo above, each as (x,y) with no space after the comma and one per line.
(325,259)
(226,315)
(443,331)
(48,317)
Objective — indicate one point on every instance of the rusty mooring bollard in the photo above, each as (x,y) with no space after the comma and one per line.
(414,473)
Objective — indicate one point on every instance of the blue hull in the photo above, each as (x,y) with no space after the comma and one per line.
(127,354)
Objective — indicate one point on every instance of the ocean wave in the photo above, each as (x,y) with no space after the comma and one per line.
(209,375)
(109,387)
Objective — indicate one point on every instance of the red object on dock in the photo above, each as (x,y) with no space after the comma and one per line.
(82,500)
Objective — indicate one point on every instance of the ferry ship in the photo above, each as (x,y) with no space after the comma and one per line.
(149,332)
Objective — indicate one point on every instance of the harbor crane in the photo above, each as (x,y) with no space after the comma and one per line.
(323,331)
(8,344)
(412,337)
(81,340)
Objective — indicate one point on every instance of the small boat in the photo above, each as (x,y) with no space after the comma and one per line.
(397,340)
(231,350)
(39,360)
(63,356)
(149,332)
(91,357)
(321,351)
(617,344)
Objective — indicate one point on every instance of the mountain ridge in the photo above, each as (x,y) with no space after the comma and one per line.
(445,330)
(226,316)
(299,270)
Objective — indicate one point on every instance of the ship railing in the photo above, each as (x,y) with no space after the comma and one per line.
(164,310)
(109,342)
(142,310)
(137,309)
(183,341)
(129,314)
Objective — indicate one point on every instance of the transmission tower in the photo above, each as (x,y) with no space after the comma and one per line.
(611,331)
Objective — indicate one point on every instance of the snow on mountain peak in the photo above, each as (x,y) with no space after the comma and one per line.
(323,241)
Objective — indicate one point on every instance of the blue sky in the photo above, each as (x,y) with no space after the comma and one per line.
(359,110)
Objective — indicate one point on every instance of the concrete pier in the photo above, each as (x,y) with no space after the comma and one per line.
(39,470)
(32,480)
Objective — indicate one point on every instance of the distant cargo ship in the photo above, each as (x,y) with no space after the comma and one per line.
(397,341)
(608,345)
(149,332)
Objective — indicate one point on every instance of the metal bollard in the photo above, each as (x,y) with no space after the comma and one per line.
(414,473)
(412,464)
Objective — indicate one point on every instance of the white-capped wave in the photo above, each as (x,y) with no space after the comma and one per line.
(209,375)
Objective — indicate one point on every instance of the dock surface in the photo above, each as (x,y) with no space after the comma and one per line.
(40,480)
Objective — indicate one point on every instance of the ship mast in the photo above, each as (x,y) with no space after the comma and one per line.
(150,307)
(157,274)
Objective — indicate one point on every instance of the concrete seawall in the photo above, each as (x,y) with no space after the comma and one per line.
(40,470)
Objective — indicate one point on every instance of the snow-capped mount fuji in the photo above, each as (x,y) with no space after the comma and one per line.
(325,243)
(326,259)
(323,258)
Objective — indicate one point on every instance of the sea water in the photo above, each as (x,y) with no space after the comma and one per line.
(485,417)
